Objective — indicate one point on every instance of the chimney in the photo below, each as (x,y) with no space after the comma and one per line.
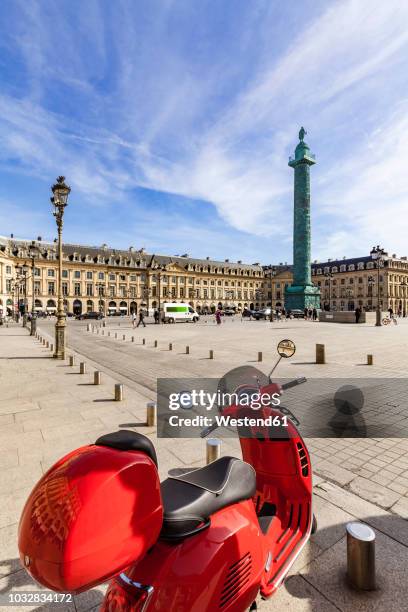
(227,261)
(207,258)
(11,235)
(239,261)
(131,249)
(39,238)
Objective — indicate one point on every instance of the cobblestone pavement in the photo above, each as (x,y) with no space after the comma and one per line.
(47,408)
(375,469)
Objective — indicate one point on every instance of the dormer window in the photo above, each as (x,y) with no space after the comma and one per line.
(351,267)
(343,268)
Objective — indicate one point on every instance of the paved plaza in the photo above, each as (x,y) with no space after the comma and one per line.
(47,408)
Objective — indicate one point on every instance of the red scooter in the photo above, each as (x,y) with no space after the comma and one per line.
(205,539)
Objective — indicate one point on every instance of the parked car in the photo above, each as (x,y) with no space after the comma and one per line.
(248,313)
(69,315)
(297,313)
(264,314)
(114,313)
(90,315)
(228,312)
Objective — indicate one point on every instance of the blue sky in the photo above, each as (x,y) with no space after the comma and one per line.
(173,121)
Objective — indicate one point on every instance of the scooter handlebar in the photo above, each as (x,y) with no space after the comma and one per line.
(207,430)
(294,383)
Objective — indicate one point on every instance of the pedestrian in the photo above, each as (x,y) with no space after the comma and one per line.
(141,319)
(309,314)
(357,313)
(314,314)
(305,313)
(391,312)
(218,316)
(156,316)
(283,313)
(133,319)
(399,312)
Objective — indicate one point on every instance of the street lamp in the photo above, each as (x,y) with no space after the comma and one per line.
(59,200)
(32,252)
(378,255)
(329,276)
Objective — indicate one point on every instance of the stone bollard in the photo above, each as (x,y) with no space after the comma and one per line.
(260,356)
(118,392)
(123,337)
(82,367)
(361,556)
(144,341)
(213,449)
(71,360)
(133,338)
(52,348)
(320,353)
(170,346)
(151,414)
(155,344)
(47,344)
(370,360)
(97,377)
(211,354)
(104,324)
(187,350)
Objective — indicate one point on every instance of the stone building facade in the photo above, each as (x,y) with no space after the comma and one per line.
(111,280)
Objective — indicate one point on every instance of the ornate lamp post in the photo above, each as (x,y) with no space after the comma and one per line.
(59,200)
(378,255)
(329,276)
(24,270)
(32,252)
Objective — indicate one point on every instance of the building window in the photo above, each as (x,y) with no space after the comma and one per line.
(111,291)
(77,288)
(111,277)
(8,269)
(122,277)
(51,272)
(37,272)
(64,288)
(101,275)
(51,288)
(89,275)
(37,287)
(101,290)
(133,277)
(77,274)
(89,289)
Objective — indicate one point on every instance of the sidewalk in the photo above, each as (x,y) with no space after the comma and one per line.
(47,408)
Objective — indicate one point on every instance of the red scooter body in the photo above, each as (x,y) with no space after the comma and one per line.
(221,563)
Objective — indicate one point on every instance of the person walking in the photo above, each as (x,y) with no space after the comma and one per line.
(141,319)
(133,319)
(305,313)
(218,316)
(314,314)
(357,313)
(156,316)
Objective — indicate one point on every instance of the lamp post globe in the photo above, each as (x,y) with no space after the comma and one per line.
(59,201)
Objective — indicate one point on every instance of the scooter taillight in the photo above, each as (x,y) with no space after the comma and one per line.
(124,595)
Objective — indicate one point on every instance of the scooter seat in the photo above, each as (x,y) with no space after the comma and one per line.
(191,498)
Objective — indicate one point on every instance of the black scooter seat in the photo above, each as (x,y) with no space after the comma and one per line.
(190,499)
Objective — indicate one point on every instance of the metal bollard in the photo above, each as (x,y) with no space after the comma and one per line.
(103,332)
(151,414)
(133,338)
(118,392)
(104,324)
(170,346)
(123,337)
(187,350)
(213,449)
(52,348)
(116,336)
(97,377)
(97,330)
(144,341)
(260,356)
(88,327)
(82,367)
(155,344)
(211,354)
(370,360)
(320,353)
(47,344)
(71,360)
(361,556)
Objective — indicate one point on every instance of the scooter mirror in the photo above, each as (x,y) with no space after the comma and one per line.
(286,348)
